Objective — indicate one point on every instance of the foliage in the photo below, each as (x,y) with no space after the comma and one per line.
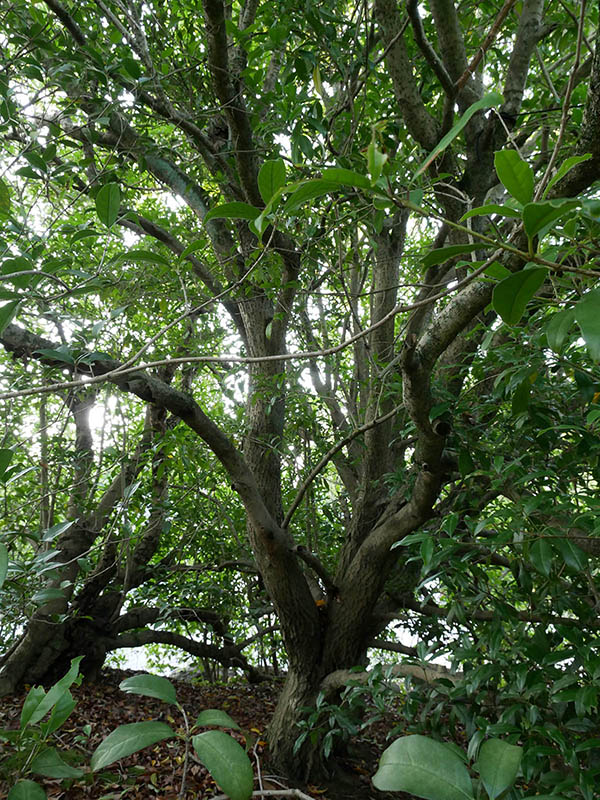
(28,748)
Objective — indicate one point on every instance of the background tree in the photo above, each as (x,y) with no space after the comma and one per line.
(322,240)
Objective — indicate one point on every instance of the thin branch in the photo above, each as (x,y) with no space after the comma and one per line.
(487,43)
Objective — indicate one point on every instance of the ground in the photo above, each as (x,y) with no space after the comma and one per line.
(156,772)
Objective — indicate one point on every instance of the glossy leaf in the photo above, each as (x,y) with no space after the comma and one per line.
(7,312)
(498,765)
(150,686)
(423,767)
(587,314)
(26,790)
(56,691)
(540,555)
(128,739)
(375,160)
(515,175)
(50,764)
(4,199)
(492,208)
(308,190)
(511,295)
(235,210)
(6,456)
(346,177)
(572,555)
(537,216)
(144,257)
(227,762)
(216,717)
(271,178)
(108,202)
(492,99)
(441,254)
(56,530)
(557,328)
(564,168)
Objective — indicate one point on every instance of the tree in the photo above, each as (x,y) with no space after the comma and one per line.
(333,240)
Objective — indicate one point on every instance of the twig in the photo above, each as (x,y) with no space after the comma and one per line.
(487,42)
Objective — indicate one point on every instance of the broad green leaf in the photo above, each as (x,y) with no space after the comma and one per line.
(587,314)
(216,717)
(537,216)
(573,556)
(50,764)
(565,167)
(57,529)
(56,691)
(540,555)
(4,199)
(558,327)
(26,790)
(128,739)
(234,210)
(441,254)
(375,160)
(511,295)
(61,712)
(7,312)
(150,686)
(143,256)
(6,456)
(492,99)
(227,763)
(309,190)
(423,767)
(3,563)
(191,248)
(271,178)
(60,354)
(108,202)
(515,174)
(34,697)
(346,177)
(520,398)
(47,596)
(492,208)
(498,764)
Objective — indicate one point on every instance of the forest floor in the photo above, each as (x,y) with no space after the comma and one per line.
(156,772)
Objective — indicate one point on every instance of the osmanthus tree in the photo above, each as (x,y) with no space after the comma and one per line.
(355,246)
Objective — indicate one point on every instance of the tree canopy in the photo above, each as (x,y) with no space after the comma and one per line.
(300,337)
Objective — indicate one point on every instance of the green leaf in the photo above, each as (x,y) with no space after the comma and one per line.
(346,177)
(573,556)
(492,208)
(515,174)
(492,99)
(308,190)
(565,167)
(498,764)
(6,456)
(3,563)
(511,295)
(57,529)
(540,555)
(7,312)
(271,178)
(108,202)
(441,254)
(191,248)
(47,596)
(61,353)
(520,399)
(4,199)
(227,762)
(537,216)
(216,717)
(128,739)
(234,210)
(587,314)
(50,764)
(56,692)
(34,697)
(26,790)
(143,256)
(423,767)
(61,711)
(375,160)
(558,327)
(150,686)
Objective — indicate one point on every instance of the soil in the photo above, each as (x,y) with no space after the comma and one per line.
(156,772)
